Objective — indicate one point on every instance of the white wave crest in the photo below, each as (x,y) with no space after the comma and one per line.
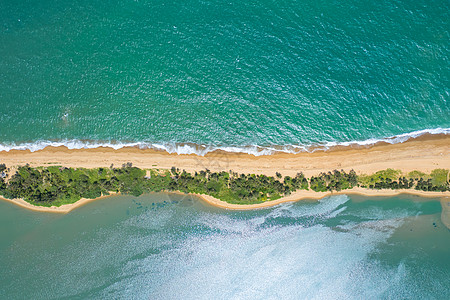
(201,150)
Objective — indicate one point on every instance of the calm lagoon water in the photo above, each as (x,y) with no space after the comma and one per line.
(162,246)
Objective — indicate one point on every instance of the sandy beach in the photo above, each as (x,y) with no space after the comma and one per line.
(424,154)
(311,195)
(56,209)
(297,196)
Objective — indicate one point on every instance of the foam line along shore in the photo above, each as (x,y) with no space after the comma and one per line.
(424,153)
(202,150)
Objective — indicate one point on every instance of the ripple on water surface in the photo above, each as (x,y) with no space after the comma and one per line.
(167,247)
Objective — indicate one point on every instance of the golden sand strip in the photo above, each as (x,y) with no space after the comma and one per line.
(55,209)
(297,196)
(311,195)
(304,195)
(424,154)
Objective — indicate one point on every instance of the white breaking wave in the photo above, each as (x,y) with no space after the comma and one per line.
(201,150)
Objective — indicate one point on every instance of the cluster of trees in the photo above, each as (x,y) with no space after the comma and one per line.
(60,185)
(427,185)
(233,187)
(334,181)
(390,179)
(2,176)
(404,183)
(387,183)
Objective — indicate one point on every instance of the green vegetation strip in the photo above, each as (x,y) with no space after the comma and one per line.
(55,186)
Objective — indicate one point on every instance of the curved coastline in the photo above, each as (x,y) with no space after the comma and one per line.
(311,195)
(423,154)
(65,208)
(294,197)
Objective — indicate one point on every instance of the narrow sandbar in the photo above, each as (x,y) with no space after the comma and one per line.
(423,154)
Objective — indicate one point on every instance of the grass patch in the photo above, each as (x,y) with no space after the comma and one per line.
(439,177)
(378,177)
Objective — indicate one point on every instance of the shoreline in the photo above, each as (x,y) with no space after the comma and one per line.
(255,150)
(311,195)
(65,208)
(294,197)
(423,154)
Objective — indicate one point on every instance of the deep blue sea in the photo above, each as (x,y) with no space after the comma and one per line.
(253,76)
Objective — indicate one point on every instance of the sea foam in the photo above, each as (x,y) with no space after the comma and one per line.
(201,150)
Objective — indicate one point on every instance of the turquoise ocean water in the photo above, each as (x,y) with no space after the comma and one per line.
(251,76)
(234,74)
(174,247)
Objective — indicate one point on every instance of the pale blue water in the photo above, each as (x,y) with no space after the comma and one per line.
(174,247)
(239,73)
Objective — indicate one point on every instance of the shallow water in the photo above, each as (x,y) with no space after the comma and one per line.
(163,246)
